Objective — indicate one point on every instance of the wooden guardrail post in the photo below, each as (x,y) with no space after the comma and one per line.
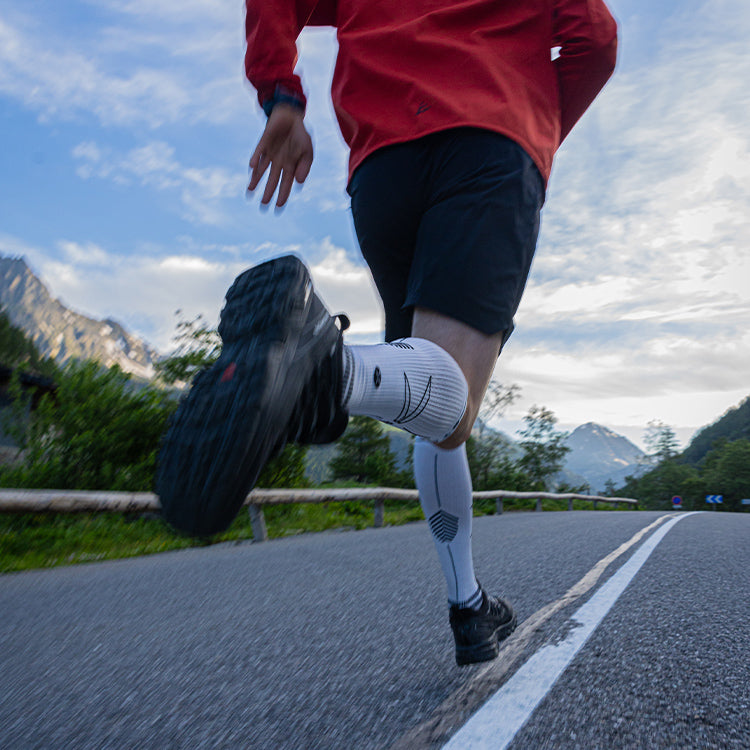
(499,506)
(379,513)
(570,503)
(538,507)
(258,522)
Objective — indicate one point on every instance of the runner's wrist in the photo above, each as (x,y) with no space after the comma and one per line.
(284,95)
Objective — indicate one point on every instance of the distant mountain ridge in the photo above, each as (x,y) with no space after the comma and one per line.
(61,333)
(599,455)
(734,424)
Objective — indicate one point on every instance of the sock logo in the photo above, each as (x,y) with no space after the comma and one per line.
(399,344)
(407,414)
(444,526)
(376,377)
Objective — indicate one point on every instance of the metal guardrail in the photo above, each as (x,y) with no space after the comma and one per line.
(82,501)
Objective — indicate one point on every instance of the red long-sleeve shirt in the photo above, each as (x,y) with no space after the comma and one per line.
(408,68)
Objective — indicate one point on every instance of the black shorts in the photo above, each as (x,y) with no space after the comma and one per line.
(449,222)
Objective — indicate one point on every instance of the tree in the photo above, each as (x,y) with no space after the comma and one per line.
(198,346)
(492,464)
(98,431)
(656,488)
(727,472)
(543,447)
(661,441)
(733,425)
(610,490)
(497,399)
(364,453)
(285,470)
(17,350)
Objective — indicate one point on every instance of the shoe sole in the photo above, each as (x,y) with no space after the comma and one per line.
(487,650)
(234,416)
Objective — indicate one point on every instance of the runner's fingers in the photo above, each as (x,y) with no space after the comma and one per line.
(303,167)
(273,181)
(258,165)
(287,180)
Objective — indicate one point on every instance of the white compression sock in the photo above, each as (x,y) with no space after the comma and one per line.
(411,383)
(444,485)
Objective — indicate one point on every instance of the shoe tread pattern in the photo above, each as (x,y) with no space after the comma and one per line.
(220,437)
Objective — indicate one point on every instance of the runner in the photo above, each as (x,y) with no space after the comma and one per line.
(452,111)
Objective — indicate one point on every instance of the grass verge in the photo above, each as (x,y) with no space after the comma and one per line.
(46,540)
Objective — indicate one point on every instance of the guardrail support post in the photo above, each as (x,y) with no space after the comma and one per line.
(499,506)
(379,513)
(258,522)
(596,504)
(570,503)
(617,505)
(538,505)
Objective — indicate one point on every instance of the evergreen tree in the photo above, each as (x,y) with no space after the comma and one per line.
(364,454)
(661,441)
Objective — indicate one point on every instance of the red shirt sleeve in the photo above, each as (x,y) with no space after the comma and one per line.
(271,30)
(586,33)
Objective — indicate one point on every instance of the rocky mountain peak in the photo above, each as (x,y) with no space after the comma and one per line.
(598,454)
(64,334)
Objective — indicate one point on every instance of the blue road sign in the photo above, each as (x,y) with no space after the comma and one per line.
(676,500)
(714,499)
(745,501)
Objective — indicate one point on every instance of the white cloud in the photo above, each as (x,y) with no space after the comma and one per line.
(638,306)
(88,254)
(200,190)
(194,280)
(347,287)
(186,69)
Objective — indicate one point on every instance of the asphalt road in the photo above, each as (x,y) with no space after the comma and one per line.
(341,640)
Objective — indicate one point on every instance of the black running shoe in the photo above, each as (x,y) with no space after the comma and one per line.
(278,379)
(478,633)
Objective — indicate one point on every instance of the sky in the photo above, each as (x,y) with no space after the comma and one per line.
(126,130)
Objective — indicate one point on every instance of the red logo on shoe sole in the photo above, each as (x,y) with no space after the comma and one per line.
(228,374)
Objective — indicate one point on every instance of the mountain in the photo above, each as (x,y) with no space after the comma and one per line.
(734,424)
(63,334)
(598,454)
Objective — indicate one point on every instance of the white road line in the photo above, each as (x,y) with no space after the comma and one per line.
(495,725)
(452,712)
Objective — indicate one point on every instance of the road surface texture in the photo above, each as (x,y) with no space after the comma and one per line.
(341,640)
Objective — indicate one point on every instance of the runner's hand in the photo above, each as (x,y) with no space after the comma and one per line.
(287,147)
